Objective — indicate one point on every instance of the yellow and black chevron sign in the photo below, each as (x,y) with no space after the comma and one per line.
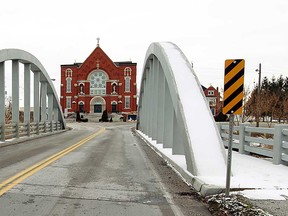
(233,86)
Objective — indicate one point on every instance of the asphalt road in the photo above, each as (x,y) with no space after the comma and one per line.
(112,172)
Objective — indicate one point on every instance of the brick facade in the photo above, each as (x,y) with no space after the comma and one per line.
(98,84)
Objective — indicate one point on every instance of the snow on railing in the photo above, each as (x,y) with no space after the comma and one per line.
(267,142)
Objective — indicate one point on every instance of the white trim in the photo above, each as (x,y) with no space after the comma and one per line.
(127,71)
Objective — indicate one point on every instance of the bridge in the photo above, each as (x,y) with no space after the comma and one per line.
(46,117)
(172,107)
(109,165)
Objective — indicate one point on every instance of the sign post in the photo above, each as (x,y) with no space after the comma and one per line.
(229,157)
(233,97)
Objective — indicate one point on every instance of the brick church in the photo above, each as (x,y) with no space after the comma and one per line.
(99,84)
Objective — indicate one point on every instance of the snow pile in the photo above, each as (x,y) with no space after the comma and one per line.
(233,205)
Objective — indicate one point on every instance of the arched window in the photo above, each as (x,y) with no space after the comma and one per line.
(98,80)
(127,84)
(114,106)
(68,84)
(81,106)
(68,72)
(127,71)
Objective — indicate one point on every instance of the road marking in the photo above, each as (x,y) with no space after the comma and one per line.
(19,177)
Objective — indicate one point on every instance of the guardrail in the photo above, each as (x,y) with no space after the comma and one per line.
(268,142)
(15,130)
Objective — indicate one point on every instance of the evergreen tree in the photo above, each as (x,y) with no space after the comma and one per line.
(272,101)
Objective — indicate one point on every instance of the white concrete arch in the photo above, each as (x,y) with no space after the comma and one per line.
(31,63)
(173,111)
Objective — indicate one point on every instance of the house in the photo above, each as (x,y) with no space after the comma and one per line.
(213,98)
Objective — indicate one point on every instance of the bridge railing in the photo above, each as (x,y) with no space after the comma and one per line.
(15,130)
(46,106)
(267,142)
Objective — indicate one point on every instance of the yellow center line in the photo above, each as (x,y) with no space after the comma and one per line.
(19,177)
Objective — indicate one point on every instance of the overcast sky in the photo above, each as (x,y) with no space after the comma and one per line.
(207,31)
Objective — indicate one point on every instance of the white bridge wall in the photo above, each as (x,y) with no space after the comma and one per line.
(173,111)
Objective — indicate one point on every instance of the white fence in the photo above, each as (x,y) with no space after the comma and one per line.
(15,130)
(268,142)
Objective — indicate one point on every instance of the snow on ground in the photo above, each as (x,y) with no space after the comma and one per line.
(264,179)
(269,180)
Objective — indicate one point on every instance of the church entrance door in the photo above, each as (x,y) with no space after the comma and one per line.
(97,108)
(114,108)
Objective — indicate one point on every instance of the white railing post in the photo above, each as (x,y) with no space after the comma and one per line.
(27,68)
(17,129)
(2,100)
(51,126)
(15,91)
(277,147)
(43,102)
(28,129)
(242,134)
(2,132)
(36,114)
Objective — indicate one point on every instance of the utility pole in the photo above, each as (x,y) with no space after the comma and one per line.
(258,97)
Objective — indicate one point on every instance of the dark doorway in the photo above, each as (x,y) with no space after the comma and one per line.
(114,108)
(97,108)
(81,108)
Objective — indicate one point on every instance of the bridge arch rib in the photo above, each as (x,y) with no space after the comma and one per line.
(173,111)
(42,82)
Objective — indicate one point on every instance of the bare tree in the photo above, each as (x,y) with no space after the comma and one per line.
(8,110)
(285,108)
